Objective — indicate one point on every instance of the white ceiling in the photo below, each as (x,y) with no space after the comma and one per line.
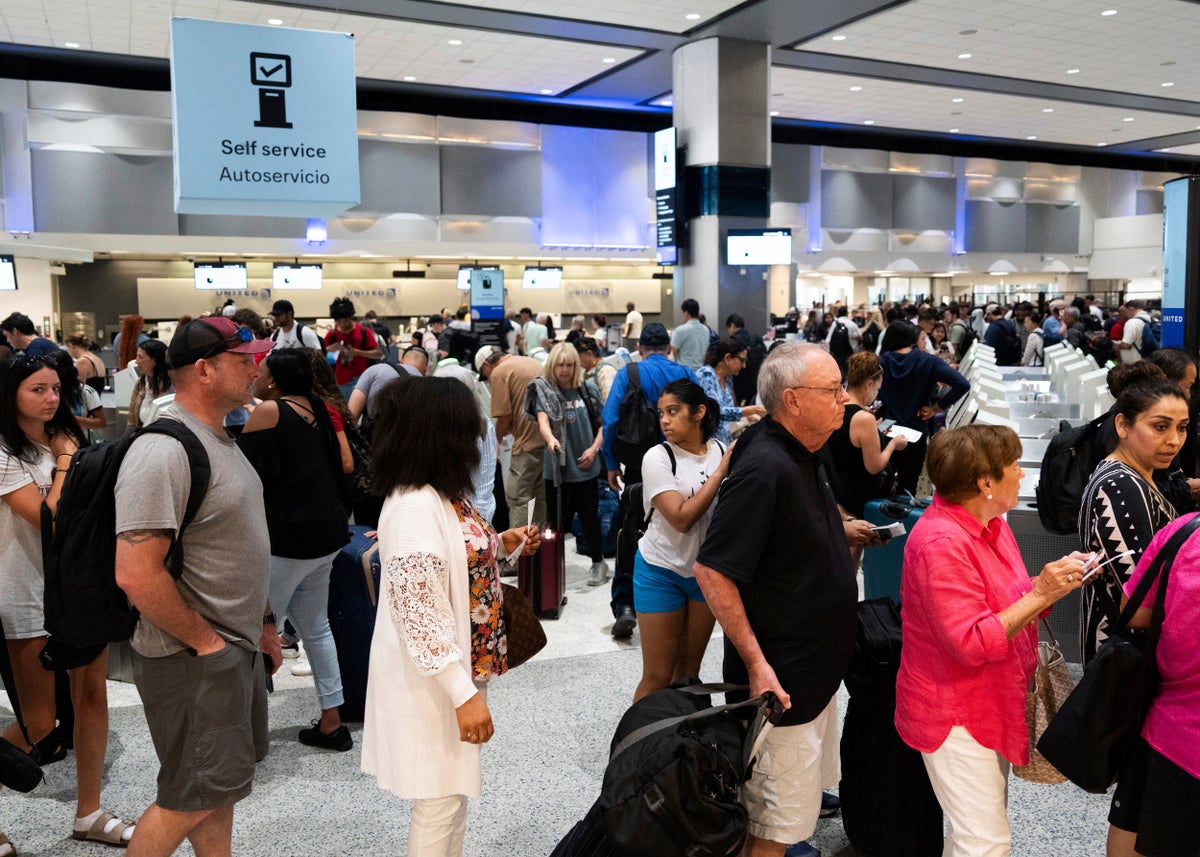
(1146,44)
(617,54)
(883,103)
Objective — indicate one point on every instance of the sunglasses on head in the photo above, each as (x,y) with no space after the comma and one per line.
(25,361)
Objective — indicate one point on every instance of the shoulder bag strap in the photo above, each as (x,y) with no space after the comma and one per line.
(634,377)
(662,725)
(1159,569)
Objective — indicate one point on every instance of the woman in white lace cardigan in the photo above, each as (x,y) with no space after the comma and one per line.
(439,636)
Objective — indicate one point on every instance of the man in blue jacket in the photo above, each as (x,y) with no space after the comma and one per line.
(655,371)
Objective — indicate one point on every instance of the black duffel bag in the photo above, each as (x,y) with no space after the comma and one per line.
(673,777)
(1097,726)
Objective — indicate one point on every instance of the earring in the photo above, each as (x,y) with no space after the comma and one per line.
(989,496)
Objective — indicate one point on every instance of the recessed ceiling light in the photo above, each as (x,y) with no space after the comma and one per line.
(692,16)
(839,38)
(409,78)
(666,102)
(1102,144)
(1031,137)
(1047,109)
(1108,13)
(71,44)
(964,56)
(856,89)
(774,112)
(957,100)
(547,92)
(455,42)
(953,130)
(1127,119)
(275,22)
(609,60)
(869,122)
(1072,71)
(1168,83)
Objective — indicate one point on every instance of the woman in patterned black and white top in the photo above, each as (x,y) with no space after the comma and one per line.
(439,637)
(1122,510)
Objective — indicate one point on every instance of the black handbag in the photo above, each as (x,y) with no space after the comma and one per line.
(18,770)
(1098,725)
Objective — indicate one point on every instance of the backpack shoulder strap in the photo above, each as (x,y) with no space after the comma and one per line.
(201,472)
(670,455)
(635,380)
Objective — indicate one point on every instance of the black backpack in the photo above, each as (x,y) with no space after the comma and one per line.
(1097,345)
(1151,336)
(968,338)
(83,605)
(637,422)
(671,788)
(839,342)
(1071,457)
(1008,345)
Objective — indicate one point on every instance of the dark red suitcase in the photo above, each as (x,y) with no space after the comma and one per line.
(542,577)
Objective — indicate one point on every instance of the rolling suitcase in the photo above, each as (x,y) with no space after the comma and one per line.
(353,597)
(882,565)
(542,578)
(888,805)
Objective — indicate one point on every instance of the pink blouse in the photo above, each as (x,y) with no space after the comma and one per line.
(957,667)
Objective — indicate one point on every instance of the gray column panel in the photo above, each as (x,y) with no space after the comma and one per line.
(922,202)
(856,200)
(491,182)
(790,173)
(245,227)
(995,228)
(1052,229)
(399,177)
(99,192)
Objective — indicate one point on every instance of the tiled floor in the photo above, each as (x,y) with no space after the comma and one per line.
(554,720)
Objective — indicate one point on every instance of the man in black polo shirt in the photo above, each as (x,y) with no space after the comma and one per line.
(776,571)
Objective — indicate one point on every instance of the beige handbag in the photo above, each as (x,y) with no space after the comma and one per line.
(1050,686)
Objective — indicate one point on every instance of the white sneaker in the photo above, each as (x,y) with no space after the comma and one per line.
(598,576)
(302,668)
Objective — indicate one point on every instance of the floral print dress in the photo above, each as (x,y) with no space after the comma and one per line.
(489,638)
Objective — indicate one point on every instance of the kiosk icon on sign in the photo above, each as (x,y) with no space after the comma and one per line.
(272,73)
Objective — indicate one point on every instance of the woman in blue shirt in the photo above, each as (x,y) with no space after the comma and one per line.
(726,358)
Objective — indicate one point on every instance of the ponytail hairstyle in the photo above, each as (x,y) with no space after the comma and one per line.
(693,396)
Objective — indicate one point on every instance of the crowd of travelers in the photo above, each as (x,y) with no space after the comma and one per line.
(763,442)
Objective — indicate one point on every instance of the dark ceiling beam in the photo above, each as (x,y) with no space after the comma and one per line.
(949,79)
(496,20)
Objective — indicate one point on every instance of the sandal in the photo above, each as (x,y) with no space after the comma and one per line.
(7,849)
(115,835)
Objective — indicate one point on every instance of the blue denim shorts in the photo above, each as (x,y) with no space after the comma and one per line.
(660,590)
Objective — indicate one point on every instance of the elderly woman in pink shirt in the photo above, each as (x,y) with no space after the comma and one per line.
(970,614)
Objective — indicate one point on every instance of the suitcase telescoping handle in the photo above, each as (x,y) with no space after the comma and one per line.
(768,709)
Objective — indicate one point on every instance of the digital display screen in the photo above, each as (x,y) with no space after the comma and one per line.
(759,247)
(8,274)
(296,276)
(228,275)
(464,278)
(542,278)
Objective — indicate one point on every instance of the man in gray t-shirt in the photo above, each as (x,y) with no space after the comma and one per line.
(689,341)
(197,643)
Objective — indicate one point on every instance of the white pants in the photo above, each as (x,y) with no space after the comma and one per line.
(971,784)
(438,827)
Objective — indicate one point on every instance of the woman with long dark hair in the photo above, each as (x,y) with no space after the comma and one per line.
(439,637)
(722,363)
(289,439)
(38,437)
(155,381)
(680,479)
(82,399)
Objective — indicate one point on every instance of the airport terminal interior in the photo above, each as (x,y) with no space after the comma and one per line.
(586,156)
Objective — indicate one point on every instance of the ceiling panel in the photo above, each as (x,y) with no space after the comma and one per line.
(386,48)
(817,96)
(1146,44)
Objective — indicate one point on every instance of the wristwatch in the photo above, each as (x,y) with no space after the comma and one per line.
(269,619)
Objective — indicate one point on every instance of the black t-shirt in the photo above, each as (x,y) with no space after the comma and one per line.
(777,533)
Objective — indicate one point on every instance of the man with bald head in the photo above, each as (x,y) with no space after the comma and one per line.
(775,569)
